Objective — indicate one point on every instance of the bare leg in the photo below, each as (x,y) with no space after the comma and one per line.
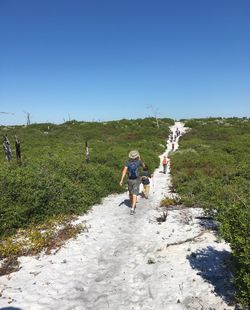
(133,205)
(131,199)
(134,199)
(164,168)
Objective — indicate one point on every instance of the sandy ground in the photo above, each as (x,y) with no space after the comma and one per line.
(128,261)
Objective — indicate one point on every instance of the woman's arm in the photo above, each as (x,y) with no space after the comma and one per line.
(124,171)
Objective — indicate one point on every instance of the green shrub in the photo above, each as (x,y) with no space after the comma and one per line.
(54,178)
(212,170)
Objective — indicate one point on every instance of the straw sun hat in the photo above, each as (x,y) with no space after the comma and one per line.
(133,154)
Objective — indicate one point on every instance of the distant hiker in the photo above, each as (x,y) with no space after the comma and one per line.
(132,168)
(172,146)
(145,179)
(171,136)
(164,164)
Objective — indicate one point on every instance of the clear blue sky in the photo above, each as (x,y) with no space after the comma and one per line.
(106,60)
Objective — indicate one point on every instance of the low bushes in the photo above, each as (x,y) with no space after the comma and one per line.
(54,178)
(212,170)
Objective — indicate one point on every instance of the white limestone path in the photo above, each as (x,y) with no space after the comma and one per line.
(127,262)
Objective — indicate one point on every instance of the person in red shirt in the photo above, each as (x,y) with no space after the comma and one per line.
(164,164)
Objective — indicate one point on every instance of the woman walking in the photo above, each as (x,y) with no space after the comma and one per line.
(131,168)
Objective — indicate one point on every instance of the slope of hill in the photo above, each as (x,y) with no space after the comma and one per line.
(129,262)
(54,178)
(212,170)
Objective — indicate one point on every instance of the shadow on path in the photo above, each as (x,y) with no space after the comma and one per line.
(208,223)
(10,308)
(214,267)
(126,203)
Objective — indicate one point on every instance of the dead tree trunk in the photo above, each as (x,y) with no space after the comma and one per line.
(28,119)
(7,149)
(18,150)
(86,152)
(157,122)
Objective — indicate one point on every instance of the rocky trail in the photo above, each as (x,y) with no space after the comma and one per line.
(128,261)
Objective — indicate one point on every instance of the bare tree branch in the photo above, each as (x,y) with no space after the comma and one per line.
(10,113)
(155,113)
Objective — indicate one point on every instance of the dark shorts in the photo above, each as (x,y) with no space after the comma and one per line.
(134,186)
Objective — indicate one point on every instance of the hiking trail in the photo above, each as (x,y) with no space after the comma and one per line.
(126,262)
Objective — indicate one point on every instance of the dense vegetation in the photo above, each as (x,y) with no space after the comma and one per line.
(212,170)
(54,178)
